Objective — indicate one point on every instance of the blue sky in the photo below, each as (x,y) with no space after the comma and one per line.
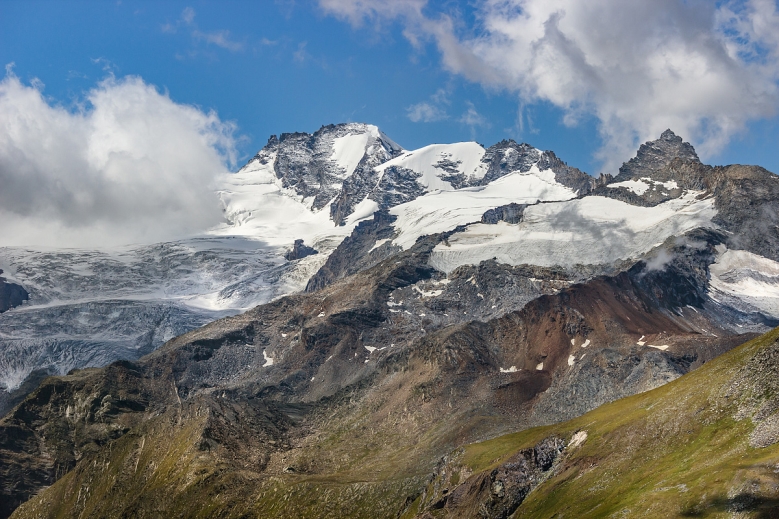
(283,66)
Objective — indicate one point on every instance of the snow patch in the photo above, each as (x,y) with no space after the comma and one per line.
(571,359)
(663,347)
(349,150)
(748,277)
(268,360)
(586,343)
(540,366)
(644,184)
(577,439)
(428,293)
(428,161)
(364,209)
(512,369)
(639,187)
(379,243)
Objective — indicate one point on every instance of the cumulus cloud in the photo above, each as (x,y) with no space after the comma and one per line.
(704,69)
(129,165)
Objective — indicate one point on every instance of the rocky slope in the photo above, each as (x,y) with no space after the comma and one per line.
(469,293)
(706,445)
(359,387)
(301,193)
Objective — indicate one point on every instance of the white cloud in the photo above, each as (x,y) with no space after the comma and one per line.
(130,165)
(218,38)
(358,11)
(188,15)
(301,55)
(428,112)
(473,118)
(703,69)
(425,113)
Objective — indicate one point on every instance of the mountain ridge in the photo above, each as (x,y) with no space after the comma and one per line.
(435,317)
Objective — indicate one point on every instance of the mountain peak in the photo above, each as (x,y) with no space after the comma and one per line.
(669,135)
(656,155)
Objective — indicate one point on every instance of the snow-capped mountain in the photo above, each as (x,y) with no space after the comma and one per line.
(510,203)
(436,297)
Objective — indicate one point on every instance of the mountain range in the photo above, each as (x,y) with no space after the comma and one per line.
(367,318)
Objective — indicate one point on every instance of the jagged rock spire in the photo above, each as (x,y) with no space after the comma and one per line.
(656,155)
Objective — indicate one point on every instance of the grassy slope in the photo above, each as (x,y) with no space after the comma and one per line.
(679,450)
(676,451)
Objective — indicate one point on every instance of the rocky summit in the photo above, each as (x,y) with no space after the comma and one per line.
(453,331)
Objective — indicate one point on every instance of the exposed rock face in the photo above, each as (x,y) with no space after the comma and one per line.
(286,375)
(305,162)
(309,164)
(299,251)
(366,247)
(11,294)
(508,156)
(655,156)
(511,213)
(397,186)
(495,494)
(385,364)
(577,180)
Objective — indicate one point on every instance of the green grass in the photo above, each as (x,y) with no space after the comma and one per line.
(676,451)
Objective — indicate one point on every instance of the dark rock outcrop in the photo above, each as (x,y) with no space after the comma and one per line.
(511,213)
(654,156)
(495,494)
(11,295)
(304,163)
(299,251)
(358,251)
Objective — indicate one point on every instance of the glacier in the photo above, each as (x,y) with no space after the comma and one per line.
(92,307)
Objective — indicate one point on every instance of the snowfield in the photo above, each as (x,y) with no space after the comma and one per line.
(91,307)
(592,230)
(751,279)
(442,211)
(428,161)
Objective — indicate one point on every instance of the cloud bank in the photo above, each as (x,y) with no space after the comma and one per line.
(701,68)
(128,166)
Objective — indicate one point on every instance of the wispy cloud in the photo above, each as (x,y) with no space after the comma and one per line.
(128,164)
(301,55)
(220,38)
(188,15)
(471,117)
(704,69)
(425,113)
(432,110)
